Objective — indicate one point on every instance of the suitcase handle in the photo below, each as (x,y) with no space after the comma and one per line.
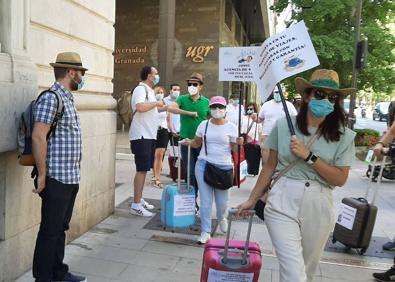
(382,165)
(225,259)
(179,169)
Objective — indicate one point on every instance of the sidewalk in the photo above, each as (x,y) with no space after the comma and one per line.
(119,249)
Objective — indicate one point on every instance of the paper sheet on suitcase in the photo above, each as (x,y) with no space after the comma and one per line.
(184,205)
(228,276)
(346,216)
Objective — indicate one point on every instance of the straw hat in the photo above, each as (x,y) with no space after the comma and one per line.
(323,79)
(70,60)
(196,77)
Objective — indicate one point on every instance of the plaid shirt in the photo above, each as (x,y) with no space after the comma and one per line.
(64,145)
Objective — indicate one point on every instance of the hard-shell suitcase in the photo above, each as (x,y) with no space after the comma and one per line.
(231,260)
(355,222)
(178,202)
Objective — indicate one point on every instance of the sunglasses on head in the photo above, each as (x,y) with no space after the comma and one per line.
(195,84)
(319,95)
(217,106)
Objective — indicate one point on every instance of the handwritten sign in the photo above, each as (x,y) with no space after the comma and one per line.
(184,205)
(280,56)
(346,216)
(229,276)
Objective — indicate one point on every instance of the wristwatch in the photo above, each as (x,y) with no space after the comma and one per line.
(311,158)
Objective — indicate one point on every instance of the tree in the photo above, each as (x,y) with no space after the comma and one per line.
(331,27)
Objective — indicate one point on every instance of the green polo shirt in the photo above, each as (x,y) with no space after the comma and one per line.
(189,124)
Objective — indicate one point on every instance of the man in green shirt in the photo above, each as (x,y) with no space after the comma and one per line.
(195,103)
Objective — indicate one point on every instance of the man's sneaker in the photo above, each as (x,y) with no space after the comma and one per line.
(140,211)
(72,278)
(147,205)
(203,238)
(389,275)
(389,246)
(223,225)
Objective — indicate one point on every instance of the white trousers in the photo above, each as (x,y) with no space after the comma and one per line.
(299,215)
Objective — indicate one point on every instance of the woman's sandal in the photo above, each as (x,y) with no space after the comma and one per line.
(157,184)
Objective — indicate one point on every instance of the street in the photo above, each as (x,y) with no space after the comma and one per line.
(368,122)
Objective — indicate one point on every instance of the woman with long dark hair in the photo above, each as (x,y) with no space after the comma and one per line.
(299,212)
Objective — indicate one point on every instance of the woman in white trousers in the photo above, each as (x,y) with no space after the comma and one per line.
(299,212)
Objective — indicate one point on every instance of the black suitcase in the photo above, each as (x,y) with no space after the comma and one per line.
(355,223)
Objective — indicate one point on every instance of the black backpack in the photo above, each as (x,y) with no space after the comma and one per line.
(25,129)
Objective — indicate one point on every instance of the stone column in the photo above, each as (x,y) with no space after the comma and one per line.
(167,11)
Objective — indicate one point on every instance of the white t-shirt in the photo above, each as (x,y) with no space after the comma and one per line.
(246,123)
(232,113)
(144,125)
(162,119)
(218,141)
(271,111)
(174,118)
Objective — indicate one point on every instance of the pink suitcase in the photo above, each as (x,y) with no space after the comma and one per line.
(231,260)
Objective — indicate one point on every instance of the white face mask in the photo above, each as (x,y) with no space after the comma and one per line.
(159,97)
(192,90)
(218,113)
(277,97)
(175,94)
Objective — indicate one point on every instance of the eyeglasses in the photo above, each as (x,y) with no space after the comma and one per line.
(319,95)
(250,109)
(217,106)
(195,84)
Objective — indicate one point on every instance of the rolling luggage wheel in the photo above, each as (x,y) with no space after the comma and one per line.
(361,251)
(334,240)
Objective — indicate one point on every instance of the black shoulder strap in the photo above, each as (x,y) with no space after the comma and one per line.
(205,137)
(59,110)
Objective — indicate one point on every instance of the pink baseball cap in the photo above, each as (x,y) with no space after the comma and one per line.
(218,100)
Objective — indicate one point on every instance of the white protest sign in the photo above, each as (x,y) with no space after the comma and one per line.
(184,205)
(280,56)
(346,216)
(228,276)
(283,55)
(238,63)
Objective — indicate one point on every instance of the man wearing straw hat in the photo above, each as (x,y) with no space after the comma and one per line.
(57,156)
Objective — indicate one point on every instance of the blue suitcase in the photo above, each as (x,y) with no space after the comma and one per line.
(178,201)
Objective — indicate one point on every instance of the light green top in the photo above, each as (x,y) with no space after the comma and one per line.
(339,153)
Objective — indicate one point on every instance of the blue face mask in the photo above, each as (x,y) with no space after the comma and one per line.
(320,108)
(235,101)
(81,84)
(156,79)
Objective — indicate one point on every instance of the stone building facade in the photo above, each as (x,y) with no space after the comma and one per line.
(32,32)
(197,28)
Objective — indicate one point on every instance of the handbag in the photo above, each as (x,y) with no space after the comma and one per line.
(213,175)
(261,203)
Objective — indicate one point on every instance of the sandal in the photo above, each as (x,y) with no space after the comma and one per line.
(157,184)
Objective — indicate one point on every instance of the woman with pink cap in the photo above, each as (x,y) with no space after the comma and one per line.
(219,137)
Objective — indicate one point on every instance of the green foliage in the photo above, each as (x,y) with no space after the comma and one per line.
(331,27)
(366,137)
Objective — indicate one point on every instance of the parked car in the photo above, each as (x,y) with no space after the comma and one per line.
(381,111)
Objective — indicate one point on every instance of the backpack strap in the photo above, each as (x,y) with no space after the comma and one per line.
(146,97)
(59,110)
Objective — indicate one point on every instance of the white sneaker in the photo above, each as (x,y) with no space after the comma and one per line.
(140,211)
(147,205)
(203,238)
(223,225)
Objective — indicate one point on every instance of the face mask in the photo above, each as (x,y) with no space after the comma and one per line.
(175,94)
(277,97)
(78,86)
(320,108)
(218,113)
(250,112)
(156,79)
(235,101)
(192,90)
(159,97)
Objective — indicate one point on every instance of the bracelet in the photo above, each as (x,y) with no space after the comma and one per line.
(308,157)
